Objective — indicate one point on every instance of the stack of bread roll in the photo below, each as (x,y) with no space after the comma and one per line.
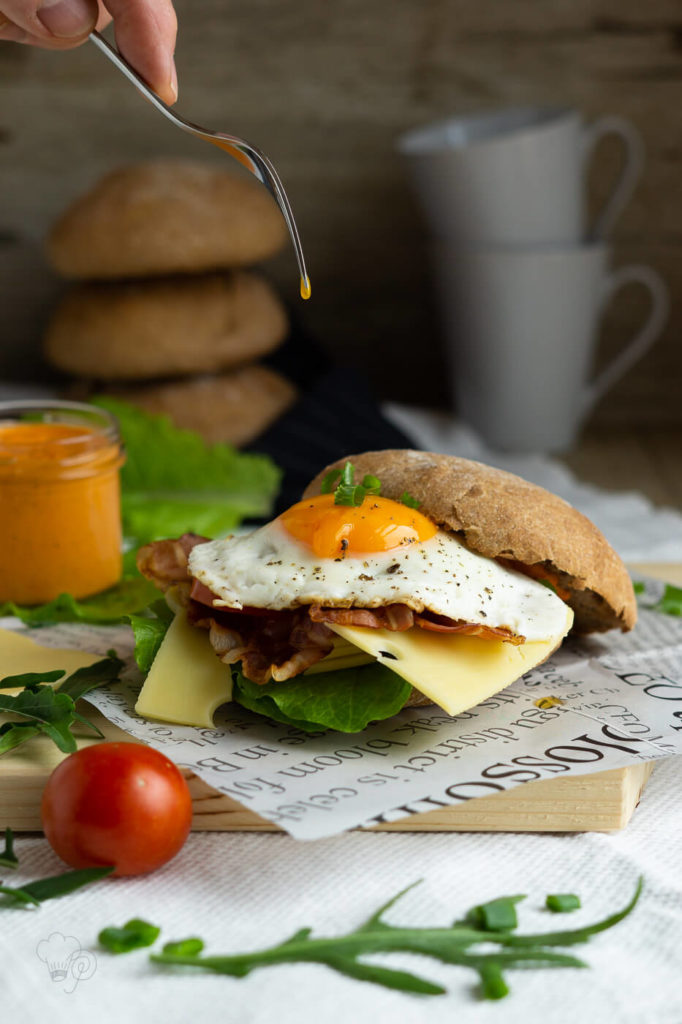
(162,311)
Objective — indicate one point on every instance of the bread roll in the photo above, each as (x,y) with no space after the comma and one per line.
(165,328)
(499,515)
(165,217)
(234,407)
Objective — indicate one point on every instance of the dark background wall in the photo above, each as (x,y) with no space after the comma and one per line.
(325,89)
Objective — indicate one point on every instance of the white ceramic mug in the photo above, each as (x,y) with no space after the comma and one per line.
(521,328)
(516,177)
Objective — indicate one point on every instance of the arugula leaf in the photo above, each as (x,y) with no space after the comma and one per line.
(30,679)
(51,888)
(670,602)
(407,499)
(458,945)
(345,700)
(149,633)
(112,606)
(173,482)
(8,858)
(13,734)
(42,709)
(135,934)
(90,677)
(50,711)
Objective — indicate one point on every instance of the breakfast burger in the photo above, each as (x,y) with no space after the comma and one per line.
(402,577)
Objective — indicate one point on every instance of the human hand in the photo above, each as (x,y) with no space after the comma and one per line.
(145,31)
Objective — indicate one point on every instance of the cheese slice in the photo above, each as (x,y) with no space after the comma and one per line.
(456,672)
(187,682)
(19,654)
(342,655)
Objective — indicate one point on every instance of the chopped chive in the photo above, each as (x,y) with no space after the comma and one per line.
(562,902)
(135,934)
(496,916)
(493,985)
(371,484)
(184,947)
(327,485)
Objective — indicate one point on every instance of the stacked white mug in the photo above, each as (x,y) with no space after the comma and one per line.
(522,281)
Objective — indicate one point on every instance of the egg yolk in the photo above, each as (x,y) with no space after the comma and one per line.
(334,531)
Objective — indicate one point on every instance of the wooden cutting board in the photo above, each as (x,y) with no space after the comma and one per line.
(600,802)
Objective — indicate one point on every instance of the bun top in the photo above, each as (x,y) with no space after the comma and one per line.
(165,217)
(502,516)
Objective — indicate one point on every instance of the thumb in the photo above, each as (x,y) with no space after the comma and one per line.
(57,19)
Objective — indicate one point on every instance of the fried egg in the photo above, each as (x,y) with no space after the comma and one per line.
(379,553)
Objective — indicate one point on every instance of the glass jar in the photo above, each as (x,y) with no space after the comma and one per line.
(60,520)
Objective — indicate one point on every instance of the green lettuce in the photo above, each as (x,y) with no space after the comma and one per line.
(149,631)
(129,597)
(173,482)
(346,700)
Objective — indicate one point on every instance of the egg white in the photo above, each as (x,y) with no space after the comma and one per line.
(271,569)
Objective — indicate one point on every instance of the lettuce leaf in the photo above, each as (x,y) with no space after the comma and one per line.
(129,597)
(346,700)
(172,482)
(149,631)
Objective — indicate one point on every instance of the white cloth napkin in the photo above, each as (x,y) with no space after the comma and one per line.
(244,891)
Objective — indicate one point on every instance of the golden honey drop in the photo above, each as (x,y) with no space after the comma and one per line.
(305,288)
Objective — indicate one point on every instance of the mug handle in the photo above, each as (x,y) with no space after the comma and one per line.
(633,164)
(643,339)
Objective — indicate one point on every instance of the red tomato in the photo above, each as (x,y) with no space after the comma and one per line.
(116,803)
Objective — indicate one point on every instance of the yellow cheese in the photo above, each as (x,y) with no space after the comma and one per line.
(343,655)
(456,672)
(187,682)
(19,654)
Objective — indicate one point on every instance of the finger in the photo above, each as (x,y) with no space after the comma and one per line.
(145,35)
(52,19)
(9,32)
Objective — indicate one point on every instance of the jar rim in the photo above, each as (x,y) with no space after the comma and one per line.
(94,443)
(90,417)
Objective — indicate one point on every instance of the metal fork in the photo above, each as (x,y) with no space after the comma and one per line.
(248,156)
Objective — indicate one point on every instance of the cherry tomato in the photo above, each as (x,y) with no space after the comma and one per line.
(116,803)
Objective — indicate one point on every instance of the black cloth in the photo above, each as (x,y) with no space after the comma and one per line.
(337,415)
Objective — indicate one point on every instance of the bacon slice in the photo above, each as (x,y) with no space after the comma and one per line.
(396,617)
(441,624)
(164,562)
(276,646)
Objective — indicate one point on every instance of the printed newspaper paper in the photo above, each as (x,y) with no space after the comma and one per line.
(617,701)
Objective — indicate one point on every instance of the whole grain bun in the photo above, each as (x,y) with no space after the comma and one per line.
(166,327)
(234,407)
(499,515)
(165,217)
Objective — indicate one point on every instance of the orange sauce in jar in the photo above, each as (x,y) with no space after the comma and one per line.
(60,523)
